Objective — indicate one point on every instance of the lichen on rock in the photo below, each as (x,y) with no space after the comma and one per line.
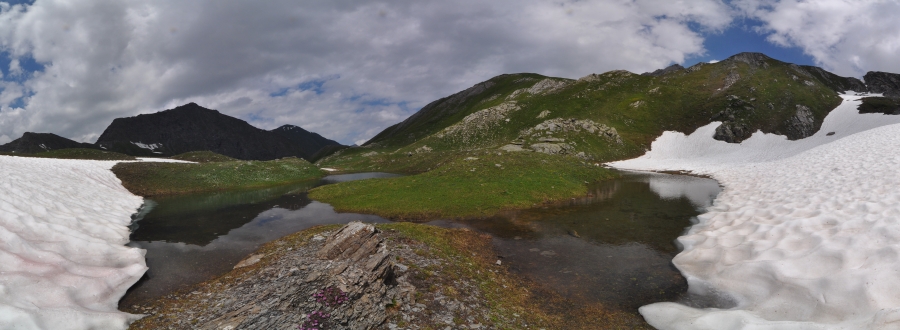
(566,125)
(478,124)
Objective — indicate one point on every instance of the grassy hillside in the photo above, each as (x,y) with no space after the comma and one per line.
(154,178)
(747,92)
(203,157)
(597,118)
(77,153)
(467,187)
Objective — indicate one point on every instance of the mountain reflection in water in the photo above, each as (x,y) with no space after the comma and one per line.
(613,246)
(193,238)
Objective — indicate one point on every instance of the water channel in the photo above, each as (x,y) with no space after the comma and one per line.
(613,246)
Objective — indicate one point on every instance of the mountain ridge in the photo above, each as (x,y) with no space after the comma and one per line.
(31,142)
(613,115)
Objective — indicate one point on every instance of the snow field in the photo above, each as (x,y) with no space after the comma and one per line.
(805,234)
(63,262)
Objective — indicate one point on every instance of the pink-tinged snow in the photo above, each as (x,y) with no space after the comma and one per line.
(805,235)
(63,259)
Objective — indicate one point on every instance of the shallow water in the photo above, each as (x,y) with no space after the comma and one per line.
(193,238)
(614,246)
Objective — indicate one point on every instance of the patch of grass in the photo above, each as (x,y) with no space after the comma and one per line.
(877,104)
(467,187)
(203,157)
(77,153)
(154,178)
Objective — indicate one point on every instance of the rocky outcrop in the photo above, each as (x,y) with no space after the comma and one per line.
(355,277)
(40,142)
(754,60)
(551,148)
(732,132)
(310,143)
(733,129)
(661,72)
(543,87)
(883,82)
(547,86)
(837,83)
(350,277)
(802,124)
(468,130)
(567,125)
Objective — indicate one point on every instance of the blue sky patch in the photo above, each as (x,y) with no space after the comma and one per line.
(27,63)
(315,85)
(741,38)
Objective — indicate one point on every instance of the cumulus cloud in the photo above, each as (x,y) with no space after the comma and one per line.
(346,69)
(848,37)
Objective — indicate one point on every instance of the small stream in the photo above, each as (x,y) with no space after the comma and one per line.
(614,246)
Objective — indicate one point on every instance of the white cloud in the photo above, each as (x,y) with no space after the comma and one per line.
(848,37)
(377,62)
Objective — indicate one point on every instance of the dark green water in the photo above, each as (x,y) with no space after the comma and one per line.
(614,246)
(193,238)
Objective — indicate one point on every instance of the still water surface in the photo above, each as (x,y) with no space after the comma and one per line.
(193,238)
(614,246)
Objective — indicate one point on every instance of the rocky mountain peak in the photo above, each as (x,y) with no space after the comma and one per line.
(660,72)
(31,142)
(883,82)
(753,59)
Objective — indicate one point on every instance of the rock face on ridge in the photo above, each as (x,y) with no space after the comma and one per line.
(311,143)
(883,82)
(40,142)
(191,127)
(432,111)
(662,72)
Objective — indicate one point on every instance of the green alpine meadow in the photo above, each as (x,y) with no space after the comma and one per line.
(518,140)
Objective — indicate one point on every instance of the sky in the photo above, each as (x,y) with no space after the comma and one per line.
(347,69)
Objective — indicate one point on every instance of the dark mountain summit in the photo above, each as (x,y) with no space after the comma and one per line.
(191,127)
(310,142)
(883,82)
(662,72)
(40,142)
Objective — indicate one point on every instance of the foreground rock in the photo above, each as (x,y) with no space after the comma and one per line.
(397,276)
(353,263)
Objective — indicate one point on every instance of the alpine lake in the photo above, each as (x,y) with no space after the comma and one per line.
(614,246)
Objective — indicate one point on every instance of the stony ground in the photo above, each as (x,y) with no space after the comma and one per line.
(399,276)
